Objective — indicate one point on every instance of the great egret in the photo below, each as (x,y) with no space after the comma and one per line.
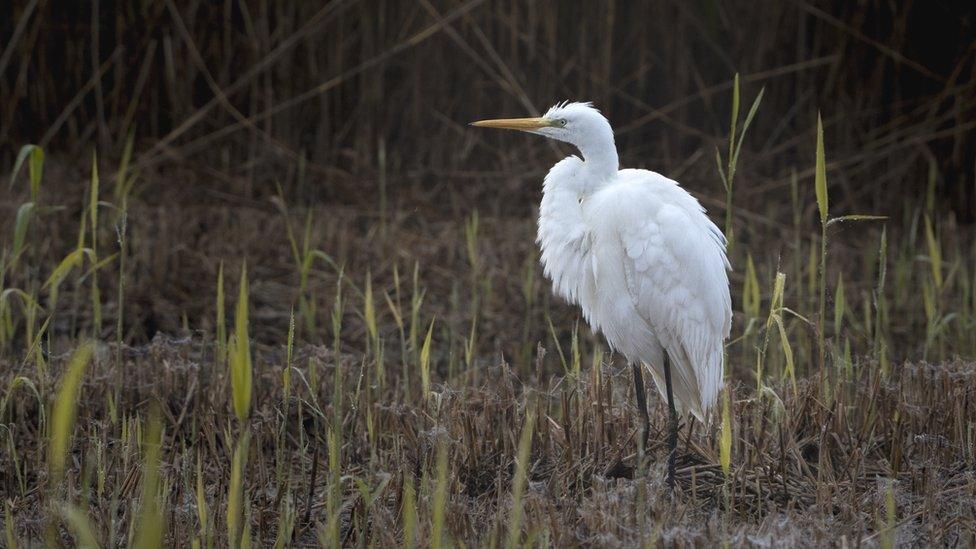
(639,256)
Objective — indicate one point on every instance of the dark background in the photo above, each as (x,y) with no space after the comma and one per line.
(358,111)
(334,82)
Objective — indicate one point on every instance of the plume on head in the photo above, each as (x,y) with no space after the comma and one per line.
(568,106)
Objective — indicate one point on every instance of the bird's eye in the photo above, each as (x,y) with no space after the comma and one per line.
(562,122)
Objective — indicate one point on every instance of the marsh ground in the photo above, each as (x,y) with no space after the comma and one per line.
(397,349)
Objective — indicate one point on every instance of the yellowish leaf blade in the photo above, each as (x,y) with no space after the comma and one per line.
(820,178)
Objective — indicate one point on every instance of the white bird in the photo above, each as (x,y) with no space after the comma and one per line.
(639,256)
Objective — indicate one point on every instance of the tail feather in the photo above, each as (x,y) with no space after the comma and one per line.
(695,380)
(686,392)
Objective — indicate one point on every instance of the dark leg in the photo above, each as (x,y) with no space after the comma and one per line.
(672,424)
(641,407)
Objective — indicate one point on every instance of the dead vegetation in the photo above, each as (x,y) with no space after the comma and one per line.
(293,301)
(808,473)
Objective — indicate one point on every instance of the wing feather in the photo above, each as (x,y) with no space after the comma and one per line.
(675,268)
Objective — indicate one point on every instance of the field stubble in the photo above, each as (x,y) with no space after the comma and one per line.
(399,361)
(396,370)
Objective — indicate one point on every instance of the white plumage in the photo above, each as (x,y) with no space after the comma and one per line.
(637,253)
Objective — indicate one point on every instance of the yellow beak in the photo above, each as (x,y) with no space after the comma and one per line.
(524,124)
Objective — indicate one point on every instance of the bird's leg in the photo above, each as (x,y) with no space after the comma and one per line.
(641,408)
(672,423)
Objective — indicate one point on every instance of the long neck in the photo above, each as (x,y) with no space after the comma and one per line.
(600,160)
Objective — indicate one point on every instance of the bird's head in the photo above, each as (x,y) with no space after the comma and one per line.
(576,123)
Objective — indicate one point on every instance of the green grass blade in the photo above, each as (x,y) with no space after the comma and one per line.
(221,318)
(80,527)
(440,497)
(840,305)
(745,126)
(734,122)
(20,229)
(935,254)
(725,439)
(820,178)
(425,361)
(70,261)
(34,156)
(518,483)
(409,514)
(240,355)
(65,411)
(151,522)
(235,492)
(751,298)
(201,501)
(8,524)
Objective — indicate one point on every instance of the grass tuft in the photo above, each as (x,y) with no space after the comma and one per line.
(240,355)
